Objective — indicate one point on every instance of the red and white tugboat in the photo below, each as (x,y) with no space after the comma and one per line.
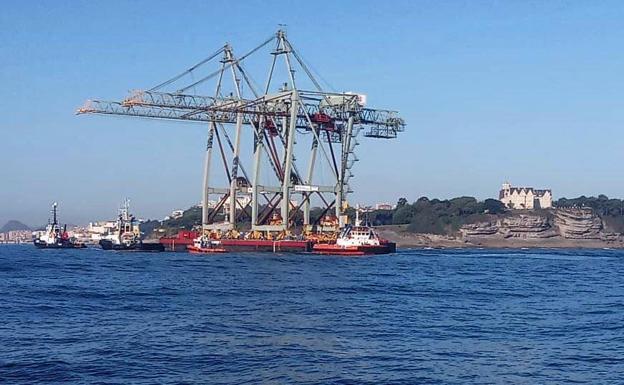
(205,245)
(56,237)
(356,240)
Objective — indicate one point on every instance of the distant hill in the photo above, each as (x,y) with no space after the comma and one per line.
(13,225)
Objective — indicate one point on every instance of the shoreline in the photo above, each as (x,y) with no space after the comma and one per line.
(533,247)
(421,241)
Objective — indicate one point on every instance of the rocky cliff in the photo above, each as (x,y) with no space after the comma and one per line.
(580,223)
(565,224)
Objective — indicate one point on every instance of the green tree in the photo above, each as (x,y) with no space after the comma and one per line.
(403,215)
(493,206)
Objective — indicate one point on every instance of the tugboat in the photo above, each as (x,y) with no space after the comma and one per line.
(126,235)
(55,237)
(204,245)
(356,240)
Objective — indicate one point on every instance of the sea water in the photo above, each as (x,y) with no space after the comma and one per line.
(415,317)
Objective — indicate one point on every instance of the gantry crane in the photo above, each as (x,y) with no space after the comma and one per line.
(277,119)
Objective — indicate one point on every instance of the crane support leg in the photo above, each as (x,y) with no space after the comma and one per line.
(290,144)
(340,193)
(206,184)
(306,206)
(258,143)
(234,181)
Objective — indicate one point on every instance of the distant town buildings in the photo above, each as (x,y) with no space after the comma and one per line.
(525,198)
(384,206)
(97,231)
(175,214)
(16,236)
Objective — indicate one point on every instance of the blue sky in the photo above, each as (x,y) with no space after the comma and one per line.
(529,92)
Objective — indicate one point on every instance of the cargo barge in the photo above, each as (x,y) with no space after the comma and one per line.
(351,241)
(185,239)
(265,245)
(180,242)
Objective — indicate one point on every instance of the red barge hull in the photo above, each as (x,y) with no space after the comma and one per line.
(263,245)
(184,241)
(179,242)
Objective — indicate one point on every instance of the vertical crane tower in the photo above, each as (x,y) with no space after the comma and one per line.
(288,125)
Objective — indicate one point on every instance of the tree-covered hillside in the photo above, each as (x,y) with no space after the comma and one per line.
(433,216)
(424,216)
(437,216)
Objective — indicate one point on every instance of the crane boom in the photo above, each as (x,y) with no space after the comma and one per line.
(163,105)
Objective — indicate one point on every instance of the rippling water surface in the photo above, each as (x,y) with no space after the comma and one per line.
(416,317)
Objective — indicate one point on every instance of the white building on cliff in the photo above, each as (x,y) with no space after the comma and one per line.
(525,197)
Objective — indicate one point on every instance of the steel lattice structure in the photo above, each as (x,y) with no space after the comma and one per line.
(276,119)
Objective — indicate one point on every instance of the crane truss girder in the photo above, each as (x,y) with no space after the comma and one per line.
(194,108)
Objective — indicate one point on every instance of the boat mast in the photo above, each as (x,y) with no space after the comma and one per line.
(54,222)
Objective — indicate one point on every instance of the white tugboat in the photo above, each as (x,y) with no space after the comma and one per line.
(356,240)
(126,234)
(55,236)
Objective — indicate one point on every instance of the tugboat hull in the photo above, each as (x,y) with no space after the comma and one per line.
(140,246)
(333,249)
(62,245)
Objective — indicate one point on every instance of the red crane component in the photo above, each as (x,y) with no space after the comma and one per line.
(323,120)
(269,126)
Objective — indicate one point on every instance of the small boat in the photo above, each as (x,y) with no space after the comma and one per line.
(56,238)
(126,235)
(203,245)
(356,240)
